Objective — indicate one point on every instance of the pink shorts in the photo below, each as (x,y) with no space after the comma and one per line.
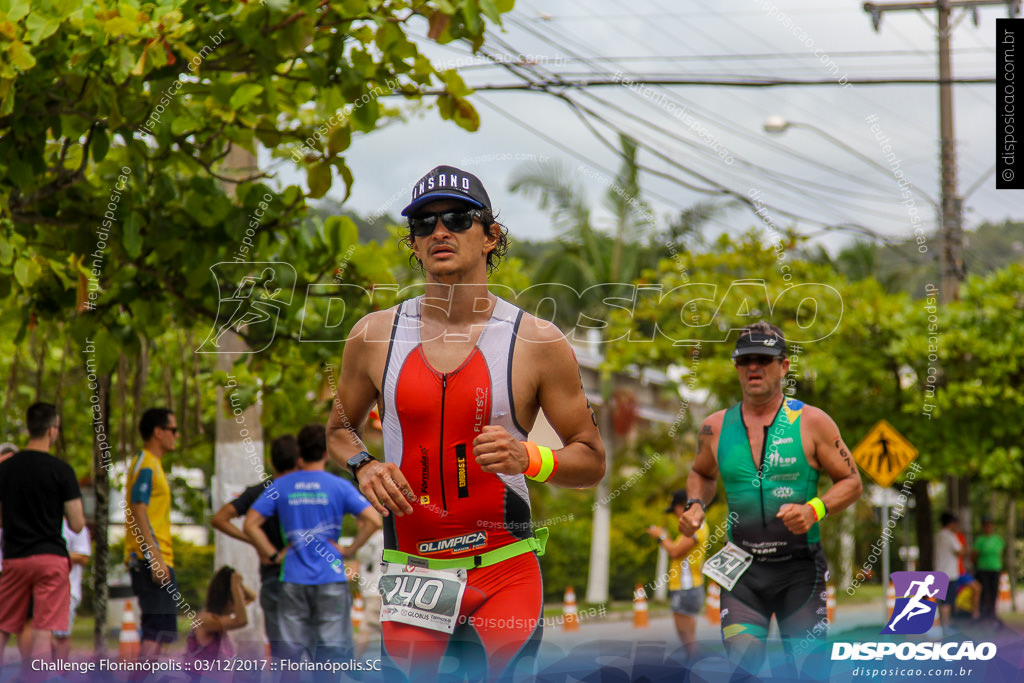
(44,580)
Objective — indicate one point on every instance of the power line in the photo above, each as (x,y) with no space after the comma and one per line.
(716,188)
(704,149)
(530,73)
(712,117)
(751,82)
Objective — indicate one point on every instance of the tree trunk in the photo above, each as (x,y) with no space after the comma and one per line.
(122,393)
(101,481)
(183,413)
(197,413)
(1009,533)
(12,383)
(139,382)
(239,446)
(239,464)
(923,524)
(58,399)
(600,533)
(847,545)
(40,366)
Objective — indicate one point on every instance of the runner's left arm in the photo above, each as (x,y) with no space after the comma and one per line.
(834,458)
(545,352)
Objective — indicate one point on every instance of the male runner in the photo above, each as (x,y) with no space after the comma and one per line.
(458,376)
(770,450)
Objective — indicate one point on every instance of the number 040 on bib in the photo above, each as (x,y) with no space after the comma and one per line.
(422,597)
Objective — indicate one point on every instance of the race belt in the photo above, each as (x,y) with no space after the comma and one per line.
(506,552)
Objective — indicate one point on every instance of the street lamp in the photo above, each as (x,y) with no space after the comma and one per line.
(777,125)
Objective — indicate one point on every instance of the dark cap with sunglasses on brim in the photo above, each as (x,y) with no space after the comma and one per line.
(758,343)
(448,182)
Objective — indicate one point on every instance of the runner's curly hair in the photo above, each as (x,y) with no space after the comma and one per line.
(487,218)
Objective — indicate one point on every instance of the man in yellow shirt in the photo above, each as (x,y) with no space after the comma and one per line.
(147,547)
(685,583)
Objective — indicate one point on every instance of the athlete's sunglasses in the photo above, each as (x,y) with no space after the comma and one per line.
(744,361)
(423,224)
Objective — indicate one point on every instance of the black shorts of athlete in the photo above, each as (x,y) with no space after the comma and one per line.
(158,618)
(793,590)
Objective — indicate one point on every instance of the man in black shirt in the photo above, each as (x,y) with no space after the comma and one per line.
(284,456)
(36,492)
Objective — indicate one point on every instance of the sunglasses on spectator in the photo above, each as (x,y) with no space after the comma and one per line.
(423,224)
(743,361)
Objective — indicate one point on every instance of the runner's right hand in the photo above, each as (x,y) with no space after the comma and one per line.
(691,520)
(386,488)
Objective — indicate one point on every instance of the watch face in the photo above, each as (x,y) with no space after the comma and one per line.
(359,459)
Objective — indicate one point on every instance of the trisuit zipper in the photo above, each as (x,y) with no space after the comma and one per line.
(440,464)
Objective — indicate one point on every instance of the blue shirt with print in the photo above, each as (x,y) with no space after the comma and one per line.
(310,506)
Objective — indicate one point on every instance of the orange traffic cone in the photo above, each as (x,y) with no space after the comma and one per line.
(830,604)
(641,617)
(1004,603)
(570,617)
(358,612)
(890,599)
(714,603)
(129,639)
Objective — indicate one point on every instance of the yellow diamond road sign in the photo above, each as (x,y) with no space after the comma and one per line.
(884,453)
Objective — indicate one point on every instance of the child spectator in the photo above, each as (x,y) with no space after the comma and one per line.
(224,611)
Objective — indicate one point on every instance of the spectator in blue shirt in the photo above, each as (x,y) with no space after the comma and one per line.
(315,605)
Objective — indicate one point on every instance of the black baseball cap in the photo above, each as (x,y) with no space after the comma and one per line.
(448,182)
(758,343)
(678,498)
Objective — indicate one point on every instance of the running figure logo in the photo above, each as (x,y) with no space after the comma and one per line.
(914,614)
(254,305)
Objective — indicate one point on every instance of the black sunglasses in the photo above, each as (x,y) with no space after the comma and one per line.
(744,361)
(171,429)
(423,224)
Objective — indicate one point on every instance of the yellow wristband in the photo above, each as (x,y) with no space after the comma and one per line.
(818,507)
(543,462)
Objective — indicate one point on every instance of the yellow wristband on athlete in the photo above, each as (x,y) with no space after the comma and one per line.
(818,507)
(543,462)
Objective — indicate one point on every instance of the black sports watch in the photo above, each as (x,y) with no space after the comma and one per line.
(697,501)
(358,460)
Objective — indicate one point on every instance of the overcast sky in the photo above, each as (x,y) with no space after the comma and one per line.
(799,172)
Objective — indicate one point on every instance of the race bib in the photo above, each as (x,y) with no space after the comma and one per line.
(727,565)
(428,598)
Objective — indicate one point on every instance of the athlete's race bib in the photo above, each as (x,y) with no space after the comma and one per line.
(727,565)
(428,598)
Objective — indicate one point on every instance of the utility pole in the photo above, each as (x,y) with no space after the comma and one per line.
(951,202)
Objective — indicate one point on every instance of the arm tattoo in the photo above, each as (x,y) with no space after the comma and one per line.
(846,456)
(705,431)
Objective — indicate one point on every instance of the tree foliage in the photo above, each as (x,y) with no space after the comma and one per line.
(125,223)
(117,122)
